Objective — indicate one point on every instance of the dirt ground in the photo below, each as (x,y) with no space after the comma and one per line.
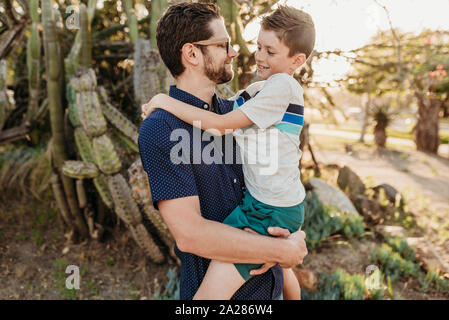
(33,260)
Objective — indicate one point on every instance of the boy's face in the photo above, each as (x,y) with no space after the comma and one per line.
(272,56)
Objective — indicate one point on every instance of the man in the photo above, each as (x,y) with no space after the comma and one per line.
(195,197)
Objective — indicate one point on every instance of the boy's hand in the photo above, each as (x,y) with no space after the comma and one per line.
(147,109)
(266,266)
(156,102)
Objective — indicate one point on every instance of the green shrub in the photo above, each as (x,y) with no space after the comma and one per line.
(341,285)
(401,246)
(433,278)
(322,221)
(392,264)
(171,290)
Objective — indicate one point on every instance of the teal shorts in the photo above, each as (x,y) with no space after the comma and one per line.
(259,216)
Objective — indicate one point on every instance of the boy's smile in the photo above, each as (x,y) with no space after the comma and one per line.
(272,56)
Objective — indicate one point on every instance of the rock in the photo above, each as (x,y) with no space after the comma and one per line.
(331,196)
(391,231)
(306,278)
(350,181)
(370,209)
(427,255)
(390,192)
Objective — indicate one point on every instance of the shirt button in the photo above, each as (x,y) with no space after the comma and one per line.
(235,180)
(205,106)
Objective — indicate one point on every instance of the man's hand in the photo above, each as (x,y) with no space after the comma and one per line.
(298,241)
(299,252)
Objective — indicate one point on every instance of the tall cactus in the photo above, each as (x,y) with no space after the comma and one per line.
(80,53)
(132,21)
(86,41)
(150,75)
(33,61)
(145,74)
(53,71)
(88,111)
(157,8)
(102,161)
(165,78)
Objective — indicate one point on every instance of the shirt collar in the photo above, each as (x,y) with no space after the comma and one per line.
(188,98)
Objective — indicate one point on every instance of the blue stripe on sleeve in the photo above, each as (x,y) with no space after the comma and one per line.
(289,128)
(293,118)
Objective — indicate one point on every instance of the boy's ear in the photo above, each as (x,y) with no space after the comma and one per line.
(300,59)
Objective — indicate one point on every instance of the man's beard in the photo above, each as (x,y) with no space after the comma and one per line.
(218,76)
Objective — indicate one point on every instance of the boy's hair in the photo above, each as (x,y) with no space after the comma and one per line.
(183,23)
(295,29)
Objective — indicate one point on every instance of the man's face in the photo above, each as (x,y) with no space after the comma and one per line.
(218,63)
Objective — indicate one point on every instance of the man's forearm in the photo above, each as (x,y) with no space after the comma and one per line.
(214,240)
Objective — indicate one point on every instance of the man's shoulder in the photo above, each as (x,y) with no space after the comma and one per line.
(225,104)
(159,125)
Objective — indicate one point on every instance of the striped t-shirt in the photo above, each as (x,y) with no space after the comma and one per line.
(270,147)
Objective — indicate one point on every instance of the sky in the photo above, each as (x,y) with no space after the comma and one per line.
(349,24)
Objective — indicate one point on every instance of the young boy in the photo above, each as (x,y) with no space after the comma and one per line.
(274,108)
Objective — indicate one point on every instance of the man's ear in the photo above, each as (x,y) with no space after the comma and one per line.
(190,54)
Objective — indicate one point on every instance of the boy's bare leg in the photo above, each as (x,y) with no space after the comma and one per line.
(292,290)
(221,281)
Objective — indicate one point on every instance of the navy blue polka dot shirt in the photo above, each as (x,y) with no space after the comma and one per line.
(218,185)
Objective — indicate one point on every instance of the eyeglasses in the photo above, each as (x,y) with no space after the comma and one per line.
(214,41)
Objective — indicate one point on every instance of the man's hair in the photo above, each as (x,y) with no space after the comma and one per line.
(295,29)
(183,23)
